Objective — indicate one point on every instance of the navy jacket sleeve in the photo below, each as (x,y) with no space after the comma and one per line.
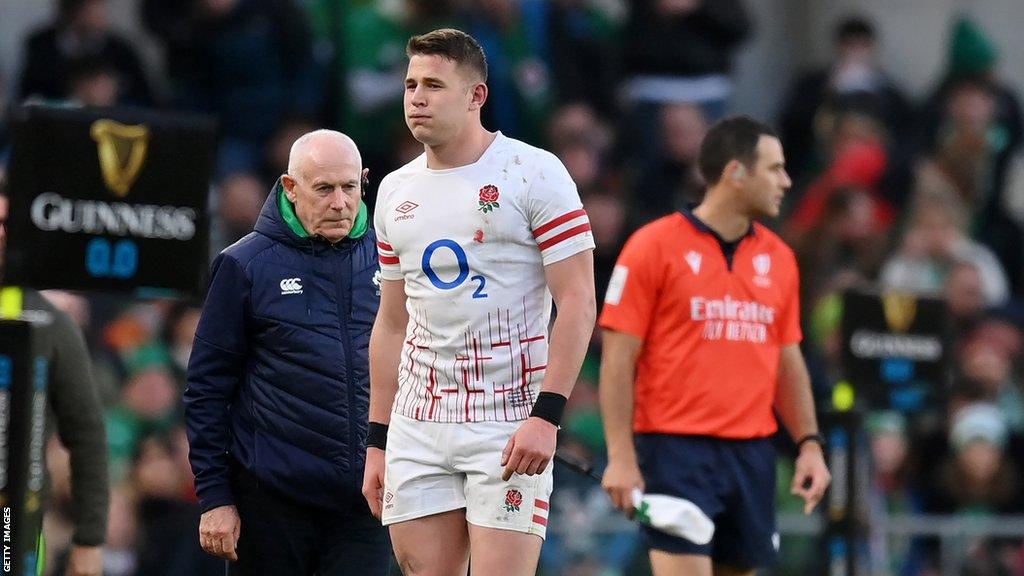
(215,372)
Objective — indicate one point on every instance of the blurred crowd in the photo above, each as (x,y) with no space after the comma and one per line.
(889,192)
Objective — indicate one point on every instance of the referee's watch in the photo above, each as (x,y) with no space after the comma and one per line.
(816,437)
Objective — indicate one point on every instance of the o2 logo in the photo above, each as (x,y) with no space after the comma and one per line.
(460,258)
(103,260)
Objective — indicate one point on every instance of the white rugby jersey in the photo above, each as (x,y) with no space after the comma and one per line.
(471,244)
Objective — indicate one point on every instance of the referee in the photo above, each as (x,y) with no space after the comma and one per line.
(701,342)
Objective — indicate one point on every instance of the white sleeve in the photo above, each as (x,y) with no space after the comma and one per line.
(389,266)
(557,218)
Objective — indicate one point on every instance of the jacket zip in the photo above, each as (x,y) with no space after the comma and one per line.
(344,309)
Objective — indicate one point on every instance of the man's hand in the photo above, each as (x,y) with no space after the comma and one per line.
(218,532)
(620,478)
(85,561)
(373,480)
(530,449)
(811,477)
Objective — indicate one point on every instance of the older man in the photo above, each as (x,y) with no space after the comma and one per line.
(278,388)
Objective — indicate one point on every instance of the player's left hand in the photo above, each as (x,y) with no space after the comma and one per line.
(530,449)
(85,561)
(811,477)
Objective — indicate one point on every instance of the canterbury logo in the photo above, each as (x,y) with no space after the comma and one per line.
(291,286)
(122,152)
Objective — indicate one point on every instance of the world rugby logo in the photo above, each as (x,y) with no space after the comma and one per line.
(291,286)
(762,265)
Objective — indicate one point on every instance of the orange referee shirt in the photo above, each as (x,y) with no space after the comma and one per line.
(713,318)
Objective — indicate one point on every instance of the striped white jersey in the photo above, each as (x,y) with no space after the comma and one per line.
(471,244)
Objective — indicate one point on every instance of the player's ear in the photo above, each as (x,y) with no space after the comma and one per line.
(478,96)
(735,171)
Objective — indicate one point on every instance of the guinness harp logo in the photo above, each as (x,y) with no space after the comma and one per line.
(900,310)
(122,152)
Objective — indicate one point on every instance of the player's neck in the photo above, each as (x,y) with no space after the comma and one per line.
(463,150)
(723,215)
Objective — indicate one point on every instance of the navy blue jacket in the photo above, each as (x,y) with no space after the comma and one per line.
(278,379)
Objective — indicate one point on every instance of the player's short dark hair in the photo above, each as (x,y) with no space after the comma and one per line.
(454,45)
(733,138)
(854,28)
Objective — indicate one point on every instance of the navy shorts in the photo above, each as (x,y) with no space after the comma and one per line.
(731,481)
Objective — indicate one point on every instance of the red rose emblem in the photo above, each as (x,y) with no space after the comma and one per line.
(489,194)
(488,198)
(514,497)
(513,500)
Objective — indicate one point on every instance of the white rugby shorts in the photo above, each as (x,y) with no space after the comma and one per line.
(434,467)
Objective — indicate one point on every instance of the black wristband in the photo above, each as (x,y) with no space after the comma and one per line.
(377,435)
(816,437)
(549,406)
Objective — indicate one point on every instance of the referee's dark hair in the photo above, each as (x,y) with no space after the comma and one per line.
(454,45)
(732,138)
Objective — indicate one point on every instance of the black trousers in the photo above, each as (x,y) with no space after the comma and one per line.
(280,537)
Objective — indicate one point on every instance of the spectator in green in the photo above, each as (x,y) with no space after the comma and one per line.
(374,66)
(147,404)
(514,35)
(584,39)
(973,105)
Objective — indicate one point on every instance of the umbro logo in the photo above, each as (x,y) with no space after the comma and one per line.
(404,208)
(291,286)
